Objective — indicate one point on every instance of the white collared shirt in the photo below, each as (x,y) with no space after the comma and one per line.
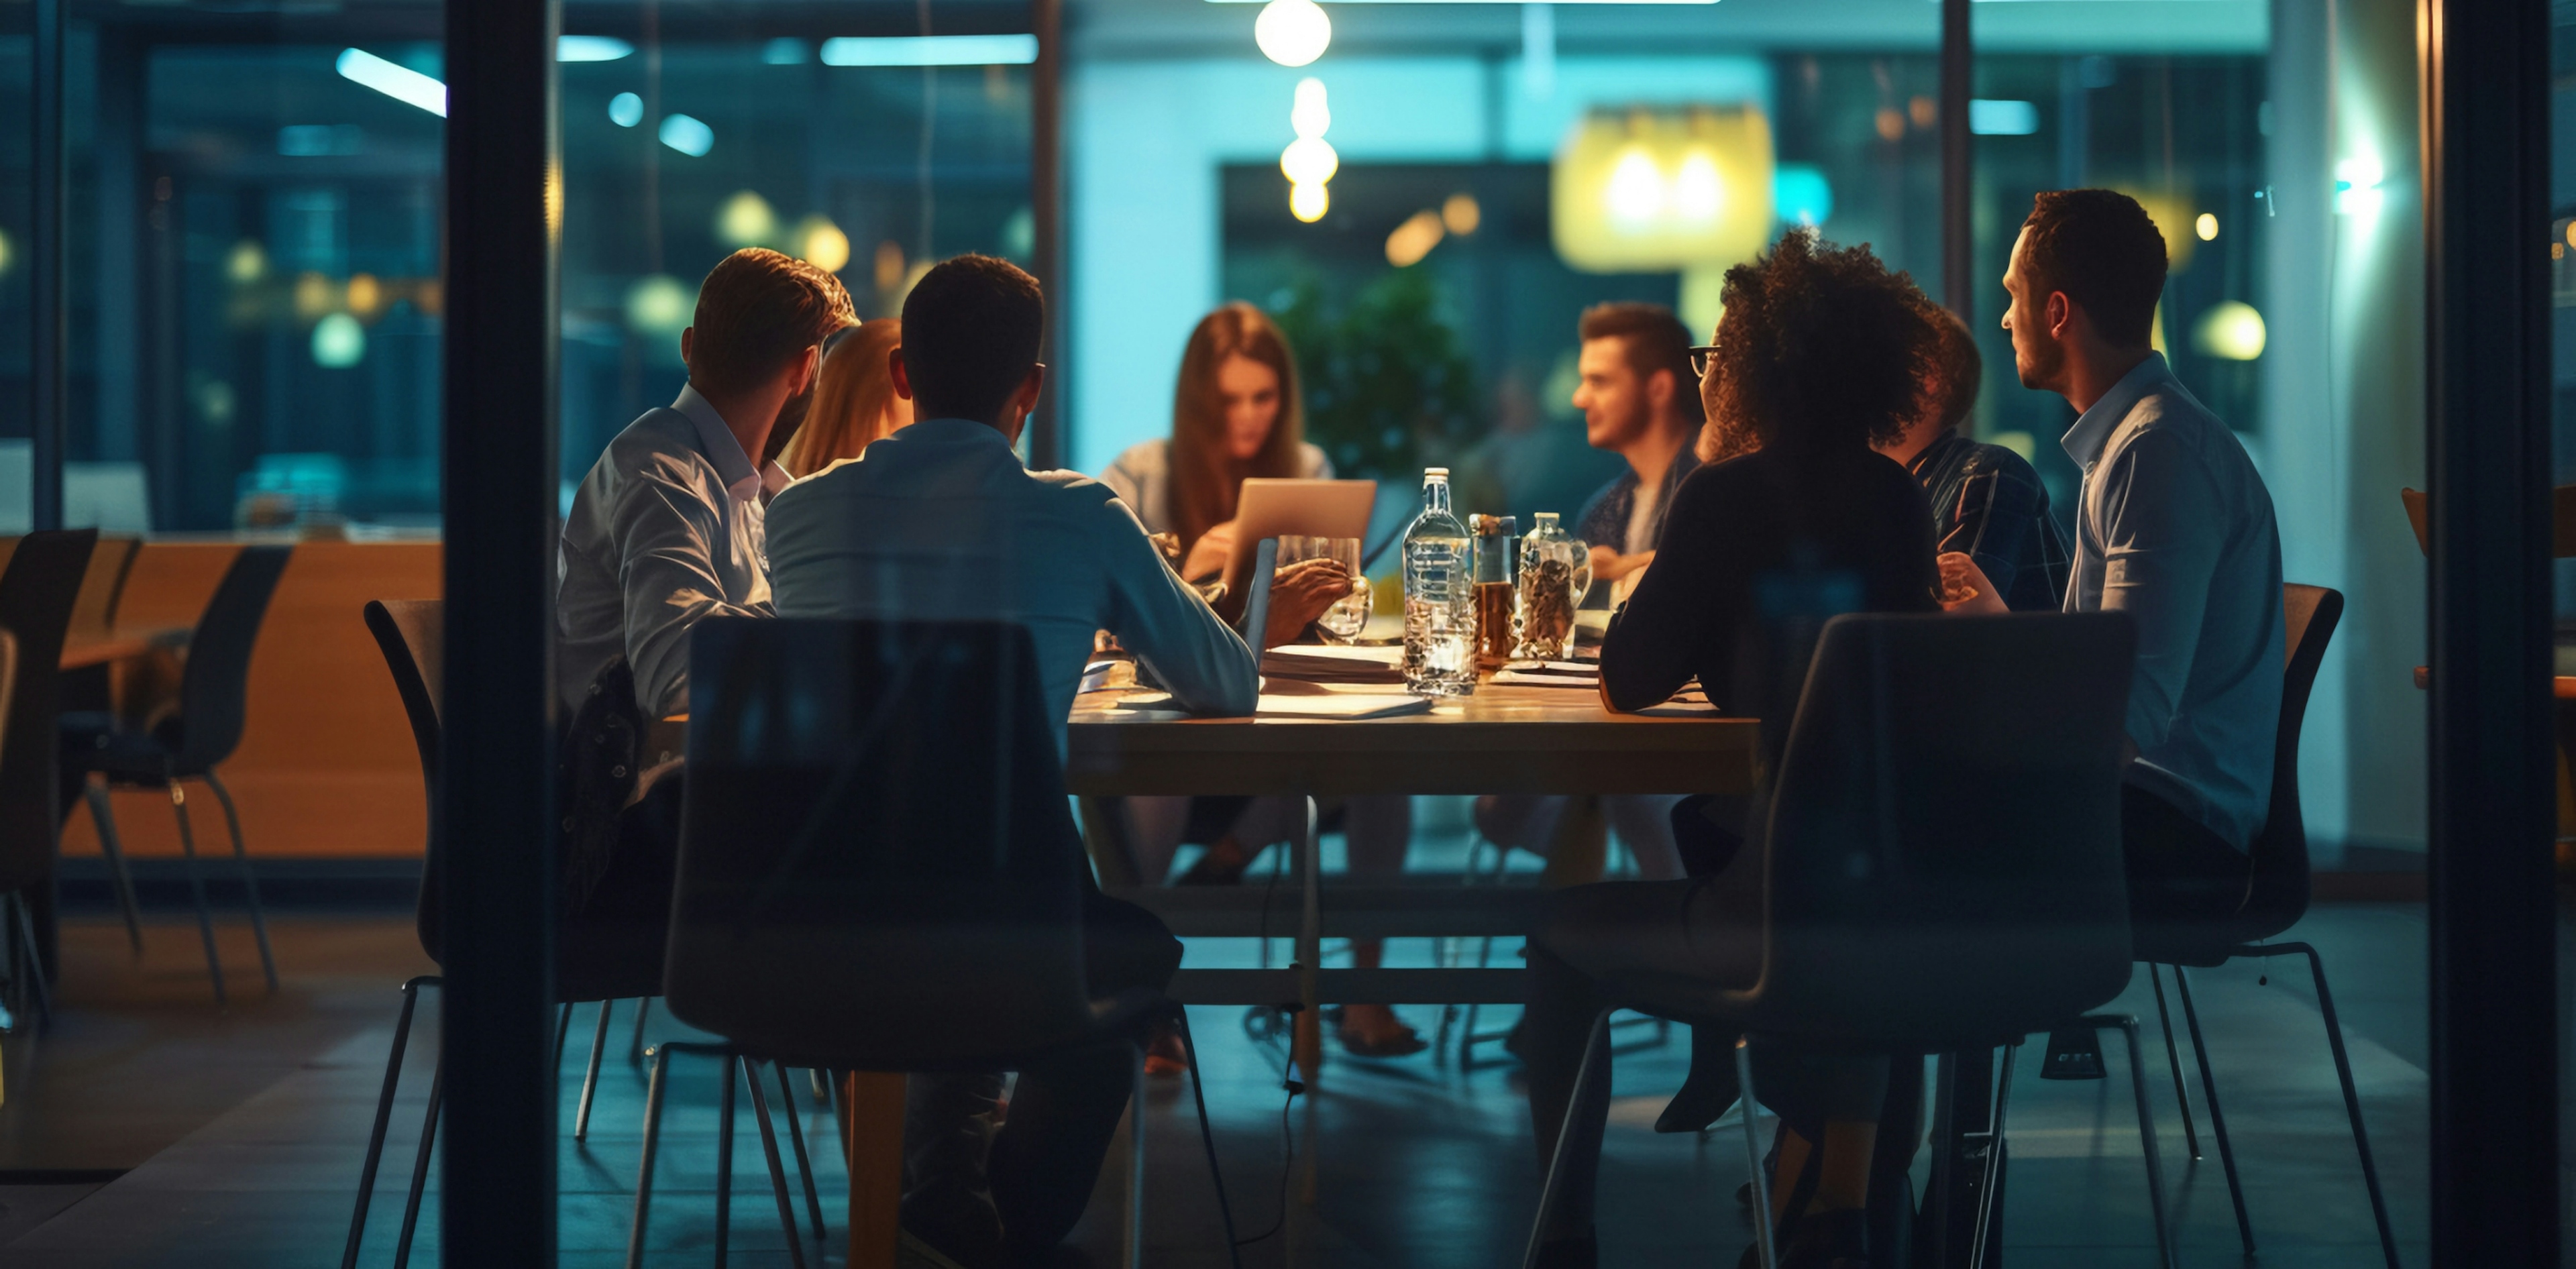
(941,522)
(2175,528)
(665,530)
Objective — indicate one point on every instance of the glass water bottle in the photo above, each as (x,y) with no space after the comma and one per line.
(1439,597)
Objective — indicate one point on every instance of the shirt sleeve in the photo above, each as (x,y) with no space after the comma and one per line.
(2160,531)
(666,536)
(1658,638)
(1199,659)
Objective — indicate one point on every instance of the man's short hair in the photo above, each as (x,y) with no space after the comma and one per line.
(970,334)
(1956,368)
(758,311)
(1655,340)
(2101,248)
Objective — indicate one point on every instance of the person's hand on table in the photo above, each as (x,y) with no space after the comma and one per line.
(1300,593)
(1610,566)
(1964,588)
(1209,554)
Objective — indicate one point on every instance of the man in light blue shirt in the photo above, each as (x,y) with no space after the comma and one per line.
(940,521)
(2173,527)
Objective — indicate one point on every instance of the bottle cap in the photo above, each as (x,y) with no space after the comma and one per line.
(1441,472)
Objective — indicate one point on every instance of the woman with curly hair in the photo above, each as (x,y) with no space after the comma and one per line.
(1818,358)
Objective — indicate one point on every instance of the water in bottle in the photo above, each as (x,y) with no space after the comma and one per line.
(1439,597)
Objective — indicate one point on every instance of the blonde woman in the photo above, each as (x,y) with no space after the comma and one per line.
(854,401)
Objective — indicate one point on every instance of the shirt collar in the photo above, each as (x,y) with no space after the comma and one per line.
(1937,446)
(2093,428)
(956,431)
(733,466)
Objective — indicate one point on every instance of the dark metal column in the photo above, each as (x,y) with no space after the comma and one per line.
(1958,246)
(47,298)
(2485,67)
(1046,206)
(504,204)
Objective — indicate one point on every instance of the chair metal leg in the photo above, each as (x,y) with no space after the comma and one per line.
(250,883)
(1753,1154)
(2146,1129)
(590,1077)
(769,1149)
(796,1137)
(2351,1094)
(1207,1136)
(814,1076)
(1994,1167)
(384,1118)
(32,958)
(724,1161)
(197,888)
(1596,1050)
(1132,1237)
(420,1165)
(2173,1058)
(644,1174)
(2217,1115)
(103,818)
(635,1050)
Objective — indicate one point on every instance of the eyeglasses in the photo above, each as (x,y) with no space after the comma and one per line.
(1700,357)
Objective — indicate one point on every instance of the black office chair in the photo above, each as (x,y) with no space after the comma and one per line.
(111,565)
(1944,866)
(37,592)
(878,870)
(594,961)
(214,695)
(2274,902)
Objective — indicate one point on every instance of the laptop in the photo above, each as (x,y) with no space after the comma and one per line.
(1272,508)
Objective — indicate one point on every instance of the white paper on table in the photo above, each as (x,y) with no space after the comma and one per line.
(1533,678)
(1343,705)
(1374,654)
(1682,709)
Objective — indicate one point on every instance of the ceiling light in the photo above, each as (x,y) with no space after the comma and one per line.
(590,48)
(931,50)
(626,110)
(393,79)
(689,136)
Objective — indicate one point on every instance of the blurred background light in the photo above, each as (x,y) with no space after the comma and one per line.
(2230,330)
(1308,202)
(1801,194)
(2357,185)
(1312,115)
(1414,239)
(786,50)
(1461,215)
(1992,118)
(1637,190)
(688,135)
(2206,227)
(626,110)
(1309,161)
(1292,32)
(590,48)
(4,253)
(339,342)
(399,82)
(746,220)
(930,50)
(659,305)
(366,296)
(314,297)
(247,262)
(821,243)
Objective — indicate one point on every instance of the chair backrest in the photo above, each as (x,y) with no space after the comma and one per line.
(36,595)
(214,691)
(103,584)
(2279,896)
(412,637)
(877,864)
(1944,829)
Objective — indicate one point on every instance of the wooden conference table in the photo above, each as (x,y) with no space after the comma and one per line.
(1513,739)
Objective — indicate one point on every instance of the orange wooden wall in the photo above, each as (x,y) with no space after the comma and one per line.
(326,766)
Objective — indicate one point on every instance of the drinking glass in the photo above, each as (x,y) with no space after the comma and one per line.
(1345,618)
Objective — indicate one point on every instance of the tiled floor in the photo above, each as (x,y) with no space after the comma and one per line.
(240,1133)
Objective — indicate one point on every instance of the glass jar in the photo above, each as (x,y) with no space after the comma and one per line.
(1497,544)
(1555,573)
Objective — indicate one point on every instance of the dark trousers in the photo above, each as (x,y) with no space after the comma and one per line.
(2179,871)
(981,1194)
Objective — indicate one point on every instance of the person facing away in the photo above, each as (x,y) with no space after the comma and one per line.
(1817,359)
(854,403)
(1237,412)
(2173,527)
(1640,400)
(666,529)
(1987,502)
(941,521)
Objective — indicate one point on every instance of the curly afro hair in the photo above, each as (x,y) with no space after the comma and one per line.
(1821,347)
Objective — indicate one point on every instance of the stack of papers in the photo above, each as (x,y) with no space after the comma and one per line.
(1582,674)
(1335,663)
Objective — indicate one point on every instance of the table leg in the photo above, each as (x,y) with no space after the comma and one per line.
(875,1107)
(1309,1046)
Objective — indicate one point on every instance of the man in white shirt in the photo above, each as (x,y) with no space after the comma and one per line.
(2174,527)
(666,529)
(941,521)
